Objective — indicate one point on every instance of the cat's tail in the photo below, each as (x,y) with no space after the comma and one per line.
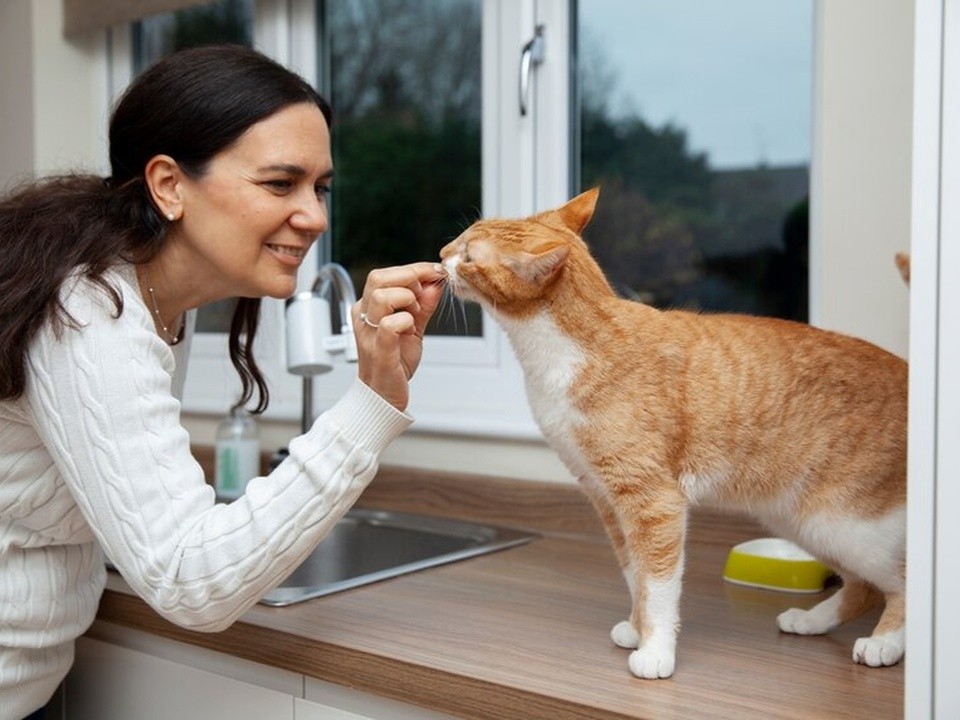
(902,261)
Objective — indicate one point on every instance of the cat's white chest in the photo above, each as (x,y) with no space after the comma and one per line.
(551,362)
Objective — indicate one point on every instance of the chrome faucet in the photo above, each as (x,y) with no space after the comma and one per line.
(336,275)
(311,343)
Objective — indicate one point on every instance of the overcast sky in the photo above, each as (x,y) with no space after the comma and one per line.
(736,74)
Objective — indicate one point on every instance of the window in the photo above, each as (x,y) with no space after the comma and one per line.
(698,207)
(405,86)
(415,91)
(695,120)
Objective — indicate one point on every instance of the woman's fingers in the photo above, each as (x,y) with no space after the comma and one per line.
(412,276)
(389,320)
(388,290)
(383,302)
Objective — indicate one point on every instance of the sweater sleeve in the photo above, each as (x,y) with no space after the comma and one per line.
(100,398)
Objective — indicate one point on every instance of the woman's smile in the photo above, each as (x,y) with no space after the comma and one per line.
(248,221)
(287,254)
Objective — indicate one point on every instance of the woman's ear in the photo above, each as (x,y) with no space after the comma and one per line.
(162,175)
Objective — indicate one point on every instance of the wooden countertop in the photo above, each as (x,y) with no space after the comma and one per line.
(523,634)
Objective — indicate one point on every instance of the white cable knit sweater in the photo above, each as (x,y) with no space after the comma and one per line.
(93,456)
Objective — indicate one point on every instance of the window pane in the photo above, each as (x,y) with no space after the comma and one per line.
(405,90)
(216,22)
(160,35)
(695,121)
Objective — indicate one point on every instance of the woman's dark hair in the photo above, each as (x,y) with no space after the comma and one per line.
(191,106)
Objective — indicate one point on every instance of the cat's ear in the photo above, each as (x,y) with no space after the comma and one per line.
(539,268)
(577,212)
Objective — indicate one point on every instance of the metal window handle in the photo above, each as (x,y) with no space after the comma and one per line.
(530,57)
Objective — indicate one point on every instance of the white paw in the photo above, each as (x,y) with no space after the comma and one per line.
(801,622)
(624,635)
(879,650)
(653,661)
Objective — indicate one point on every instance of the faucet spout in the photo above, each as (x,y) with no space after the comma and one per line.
(311,342)
(336,275)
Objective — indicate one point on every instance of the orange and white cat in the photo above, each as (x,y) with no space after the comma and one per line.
(657,411)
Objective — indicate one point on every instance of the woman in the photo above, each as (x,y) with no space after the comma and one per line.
(220,164)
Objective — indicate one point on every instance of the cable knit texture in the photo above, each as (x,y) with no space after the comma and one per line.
(93,456)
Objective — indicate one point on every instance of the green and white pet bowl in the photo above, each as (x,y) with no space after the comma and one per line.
(775,564)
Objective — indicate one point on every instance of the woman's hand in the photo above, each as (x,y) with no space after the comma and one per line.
(388,323)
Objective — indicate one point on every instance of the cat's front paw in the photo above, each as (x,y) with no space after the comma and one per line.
(625,635)
(801,622)
(879,650)
(653,661)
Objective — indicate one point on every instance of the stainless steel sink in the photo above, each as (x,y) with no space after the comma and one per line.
(366,546)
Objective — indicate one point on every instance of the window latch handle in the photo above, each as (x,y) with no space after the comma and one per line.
(530,57)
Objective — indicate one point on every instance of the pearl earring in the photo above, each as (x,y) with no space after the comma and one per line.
(170,216)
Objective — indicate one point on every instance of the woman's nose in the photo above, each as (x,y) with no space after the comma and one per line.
(311,214)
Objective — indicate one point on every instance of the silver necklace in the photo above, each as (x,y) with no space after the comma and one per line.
(168,336)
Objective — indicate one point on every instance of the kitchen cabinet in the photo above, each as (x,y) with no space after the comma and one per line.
(120,673)
(109,682)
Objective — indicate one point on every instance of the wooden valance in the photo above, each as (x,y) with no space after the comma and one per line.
(82,16)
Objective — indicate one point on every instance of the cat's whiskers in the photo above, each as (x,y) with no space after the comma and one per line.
(449,306)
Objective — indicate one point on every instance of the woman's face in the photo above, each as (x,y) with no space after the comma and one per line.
(247,223)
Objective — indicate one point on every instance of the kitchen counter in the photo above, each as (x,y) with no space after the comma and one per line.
(523,634)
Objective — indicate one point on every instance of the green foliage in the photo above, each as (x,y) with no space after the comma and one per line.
(227,21)
(402,188)
(671,231)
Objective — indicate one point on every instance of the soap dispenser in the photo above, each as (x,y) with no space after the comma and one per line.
(237,454)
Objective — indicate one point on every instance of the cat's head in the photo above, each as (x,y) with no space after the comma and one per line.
(510,265)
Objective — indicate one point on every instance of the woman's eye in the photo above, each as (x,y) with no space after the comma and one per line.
(279,185)
(321,190)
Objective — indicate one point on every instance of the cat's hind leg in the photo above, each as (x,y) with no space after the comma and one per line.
(853,599)
(887,643)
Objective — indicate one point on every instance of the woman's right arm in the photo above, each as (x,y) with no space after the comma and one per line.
(101,401)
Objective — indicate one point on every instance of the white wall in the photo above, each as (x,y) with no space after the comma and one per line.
(70,95)
(54,94)
(861,174)
(16,110)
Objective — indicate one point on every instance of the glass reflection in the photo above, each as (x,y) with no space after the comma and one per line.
(405,89)
(694,118)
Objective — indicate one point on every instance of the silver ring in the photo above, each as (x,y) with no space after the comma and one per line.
(365,319)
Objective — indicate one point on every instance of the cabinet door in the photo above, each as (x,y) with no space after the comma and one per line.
(108,682)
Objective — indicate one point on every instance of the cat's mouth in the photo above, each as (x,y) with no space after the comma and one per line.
(456,284)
